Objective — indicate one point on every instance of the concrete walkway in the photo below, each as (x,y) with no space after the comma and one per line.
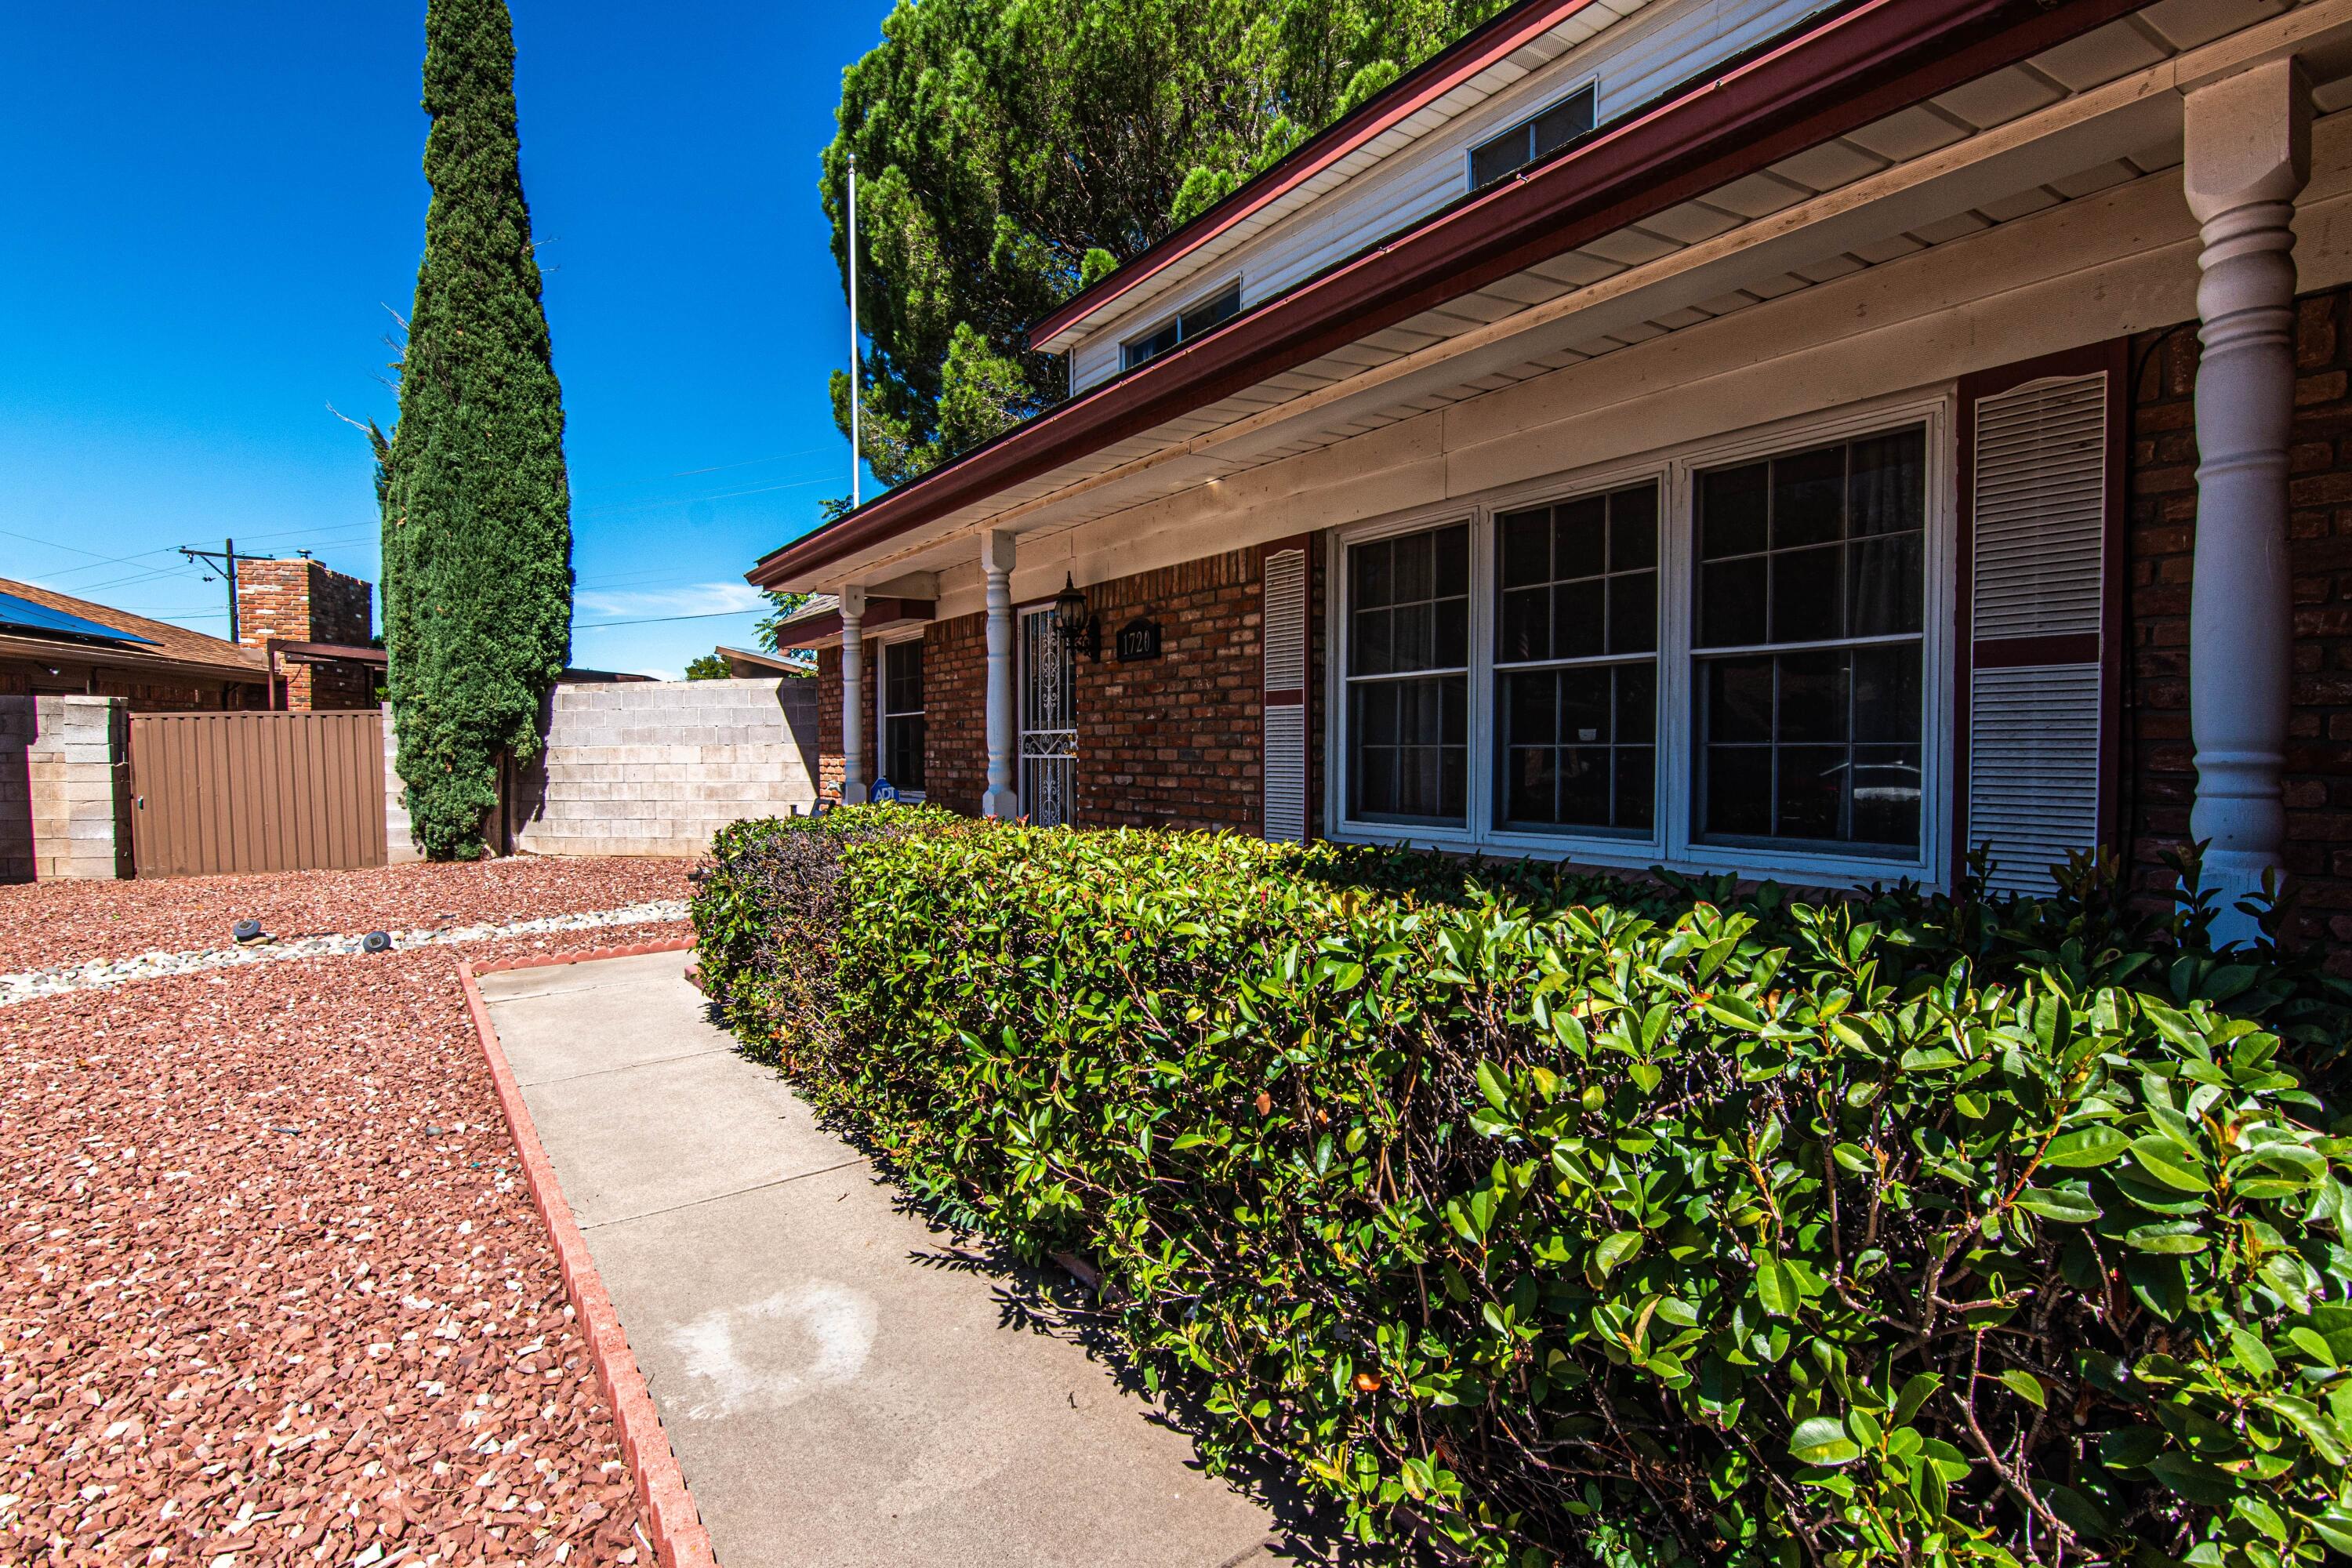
(843,1386)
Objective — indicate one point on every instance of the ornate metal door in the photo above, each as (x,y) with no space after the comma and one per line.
(1049,722)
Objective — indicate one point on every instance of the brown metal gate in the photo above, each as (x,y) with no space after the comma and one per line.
(256,792)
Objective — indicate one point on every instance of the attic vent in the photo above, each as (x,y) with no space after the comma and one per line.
(1283,623)
(2037,704)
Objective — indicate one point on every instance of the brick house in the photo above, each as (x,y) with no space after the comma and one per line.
(1805,440)
(52,643)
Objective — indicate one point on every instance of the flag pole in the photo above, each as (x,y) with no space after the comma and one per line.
(856,359)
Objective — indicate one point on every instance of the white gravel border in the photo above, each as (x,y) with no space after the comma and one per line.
(98,974)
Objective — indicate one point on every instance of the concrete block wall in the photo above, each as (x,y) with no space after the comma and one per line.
(656,767)
(65,788)
(399,849)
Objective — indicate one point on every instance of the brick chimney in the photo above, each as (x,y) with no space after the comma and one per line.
(300,601)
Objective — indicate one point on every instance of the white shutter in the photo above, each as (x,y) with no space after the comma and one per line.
(2038,574)
(1283,633)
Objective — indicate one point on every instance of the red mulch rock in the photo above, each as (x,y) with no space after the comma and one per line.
(272,1288)
(48,924)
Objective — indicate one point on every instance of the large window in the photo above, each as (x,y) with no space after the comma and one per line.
(1408,677)
(1530,139)
(1811,604)
(1576,663)
(902,715)
(1183,327)
(1734,659)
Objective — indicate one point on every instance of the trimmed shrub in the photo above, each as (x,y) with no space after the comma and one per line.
(1620,1222)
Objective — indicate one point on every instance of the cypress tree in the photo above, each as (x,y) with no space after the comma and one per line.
(476,513)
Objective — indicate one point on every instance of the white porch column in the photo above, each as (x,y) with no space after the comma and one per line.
(2249,151)
(853,698)
(1002,799)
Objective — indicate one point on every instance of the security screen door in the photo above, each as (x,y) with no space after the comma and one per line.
(1049,720)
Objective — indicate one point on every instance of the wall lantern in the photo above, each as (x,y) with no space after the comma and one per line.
(1079,627)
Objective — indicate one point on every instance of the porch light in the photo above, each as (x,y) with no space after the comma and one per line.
(1079,628)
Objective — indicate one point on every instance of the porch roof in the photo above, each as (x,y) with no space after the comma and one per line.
(1873,131)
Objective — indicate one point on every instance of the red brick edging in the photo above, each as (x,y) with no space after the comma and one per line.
(675,1525)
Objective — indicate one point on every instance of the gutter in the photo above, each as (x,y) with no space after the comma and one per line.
(1848,71)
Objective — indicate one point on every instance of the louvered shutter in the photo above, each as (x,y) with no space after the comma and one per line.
(2040,707)
(1283,623)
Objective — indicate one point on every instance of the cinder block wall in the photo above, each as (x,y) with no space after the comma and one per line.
(656,767)
(65,788)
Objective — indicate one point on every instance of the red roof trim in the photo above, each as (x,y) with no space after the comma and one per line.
(1409,95)
(1859,67)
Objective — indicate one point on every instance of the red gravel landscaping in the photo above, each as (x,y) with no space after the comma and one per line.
(47,924)
(271,1288)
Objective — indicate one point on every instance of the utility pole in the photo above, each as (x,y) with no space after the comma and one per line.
(223,560)
(857,357)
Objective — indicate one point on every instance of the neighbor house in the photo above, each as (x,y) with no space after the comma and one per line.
(1751,436)
(52,643)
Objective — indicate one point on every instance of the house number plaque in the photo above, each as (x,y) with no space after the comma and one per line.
(1139,640)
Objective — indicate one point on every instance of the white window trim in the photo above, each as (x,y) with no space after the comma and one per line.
(1672,844)
(1521,121)
(1129,340)
(882,716)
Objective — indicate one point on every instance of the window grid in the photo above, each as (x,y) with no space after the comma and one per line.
(1408,677)
(1500,156)
(1676,837)
(1183,326)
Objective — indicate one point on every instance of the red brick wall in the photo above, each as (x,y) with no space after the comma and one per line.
(1176,742)
(2161,535)
(955,713)
(301,601)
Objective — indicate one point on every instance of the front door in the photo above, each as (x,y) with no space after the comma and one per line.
(1049,722)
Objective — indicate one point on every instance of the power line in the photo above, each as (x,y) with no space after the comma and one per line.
(663,620)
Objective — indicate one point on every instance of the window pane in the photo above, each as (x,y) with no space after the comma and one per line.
(1495,160)
(1808,595)
(1637,786)
(1809,498)
(1813,696)
(1530,702)
(1886,587)
(1376,714)
(902,761)
(1580,539)
(1585,775)
(1371,648)
(1451,547)
(1731,602)
(1634,612)
(1886,697)
(1739,700)
(1525,547)
(1578,623)
(1200,318)
(1637,702)
(1584,705)
(1733,509)
(1370,573)
(1888,484)
(1812,788)
(1411,558)
(1738,790)
(1563,124)
(1409,743)
(1886,794)
(1634,529)
(1525,626)
(1528,785)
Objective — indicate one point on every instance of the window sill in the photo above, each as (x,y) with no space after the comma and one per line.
(1815,870)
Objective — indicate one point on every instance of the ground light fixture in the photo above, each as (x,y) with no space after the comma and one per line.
(247,932)
(376,941)
(1077,625)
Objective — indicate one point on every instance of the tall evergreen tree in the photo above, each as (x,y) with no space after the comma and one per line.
(478,509)
(1010,150)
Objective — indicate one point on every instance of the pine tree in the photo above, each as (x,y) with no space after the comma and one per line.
(477,517)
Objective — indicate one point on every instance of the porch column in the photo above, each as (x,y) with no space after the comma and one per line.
(853,698)
(996,562)
(2249,151)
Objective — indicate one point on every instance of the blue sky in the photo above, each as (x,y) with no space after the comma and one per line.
(209,208)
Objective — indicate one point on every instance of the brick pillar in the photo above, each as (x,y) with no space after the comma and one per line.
(301,601)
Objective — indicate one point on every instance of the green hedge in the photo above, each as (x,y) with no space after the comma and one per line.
(1612,1221)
